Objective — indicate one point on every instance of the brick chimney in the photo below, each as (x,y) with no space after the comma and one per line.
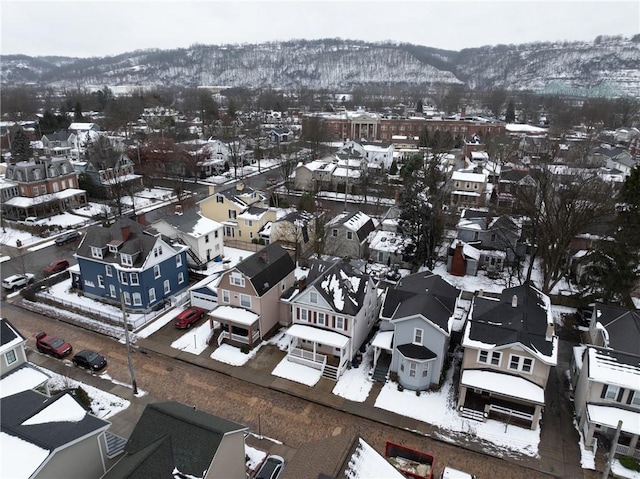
(264,256)
(126,231)
(458,263)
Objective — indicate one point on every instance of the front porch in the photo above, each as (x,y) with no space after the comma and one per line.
(320,349)
(491,395)
(21,207)
(238,326)
(603,420)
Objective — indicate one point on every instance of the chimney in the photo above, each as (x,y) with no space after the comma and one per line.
(463,112)
(142,219)
(126,230)
(514,301)
(178,209)
(264,256)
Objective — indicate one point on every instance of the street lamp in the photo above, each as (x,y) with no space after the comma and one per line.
(134,386)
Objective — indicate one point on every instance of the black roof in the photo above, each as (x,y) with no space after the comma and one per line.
(174,435)
(267,267)
(622,325)
(8,332)
(20,407)
(184,222)
(499,322)
(138,244)
(364,230)
(422,293)
(416,351)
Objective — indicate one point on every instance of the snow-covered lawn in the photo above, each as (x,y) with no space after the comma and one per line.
(297,372)
(103,404)
(195,340)
(356,383)
(225,353)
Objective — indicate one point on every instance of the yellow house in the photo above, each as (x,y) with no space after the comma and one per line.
(242,211)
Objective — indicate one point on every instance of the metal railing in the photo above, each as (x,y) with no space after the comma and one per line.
(511,412)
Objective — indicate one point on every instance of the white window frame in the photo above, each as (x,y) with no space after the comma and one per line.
(127,297)
(340,323)
(225,296)
(108,270)
(179,260)
(100,281)
(126,259)
(489,357)
(635,398)
(321,318)
(134,276)
(612,389)
(236,279)
(304,314)
(180,277)
(10,357)
(156,271)
(413,369)
(96,252)
(245,301)
(418,336)
(152,295)
(166,286)
(313,297)
(137,299)
(518,363)
(124,279)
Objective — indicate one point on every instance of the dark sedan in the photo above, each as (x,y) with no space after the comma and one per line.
(89,360)
(67,238)
(271,468)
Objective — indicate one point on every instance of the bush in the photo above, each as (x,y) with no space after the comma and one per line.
(630,463)
(82,396)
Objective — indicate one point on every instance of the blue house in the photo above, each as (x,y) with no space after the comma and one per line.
(131,259)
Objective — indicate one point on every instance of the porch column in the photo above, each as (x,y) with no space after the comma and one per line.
(633,443)
(314,351)
(376,355)
(536,417)
(462,396)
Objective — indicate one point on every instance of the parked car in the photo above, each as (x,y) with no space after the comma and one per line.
(67,238)
(189,316)
(451,473)
(31,220)
(16,281)
(56,266)
(89,360)
(271,468)
(51,345)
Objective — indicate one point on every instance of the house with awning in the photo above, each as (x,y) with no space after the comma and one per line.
(510,347)
(248,296)
(333,311)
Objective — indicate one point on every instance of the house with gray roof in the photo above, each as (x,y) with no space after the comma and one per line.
(605,375)
(346,235)
(332,311)
(174,440)
(416,322)
(131,260)
(249,297)
(510,347)
(44,437)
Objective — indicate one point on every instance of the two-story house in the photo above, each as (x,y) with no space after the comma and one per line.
(417,317)
(242,211)
(46,185)
(605,375)
(203,236)
(468,189)
(175,440)
(130,260)
(510,347)
(315,175)
(60,143)
(16,374)
(332,311)
(390,248)
(512,185)
(249,296)
(346,234)
(52,437)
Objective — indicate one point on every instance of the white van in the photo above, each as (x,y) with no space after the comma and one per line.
(451,473)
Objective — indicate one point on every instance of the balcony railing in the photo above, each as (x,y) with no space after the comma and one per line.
(238,338)
(308,358)
(627,451)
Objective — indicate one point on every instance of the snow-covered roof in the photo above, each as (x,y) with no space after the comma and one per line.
(610,367)
(522,128)
(65,409)
(504,384)
(28,456)
(610,415)
(21,379)
(383,340)
(344,172)
(466,176)
(322,336)
(467,250)
(366,463)
(235,315)
(388,241)
(24,202)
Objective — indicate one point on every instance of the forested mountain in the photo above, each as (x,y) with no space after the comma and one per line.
(608,66)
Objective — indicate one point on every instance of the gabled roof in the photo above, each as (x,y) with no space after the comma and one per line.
(267,267)
(194,437)
(521,316)
(618,368)
(58,136)
(138,243)
(342,286)
(622,326)
(191,222)
(356,221)
(9,335)
(154,460)
(46,422)
(424,294)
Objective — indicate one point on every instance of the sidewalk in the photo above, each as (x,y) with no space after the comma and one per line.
(559,451)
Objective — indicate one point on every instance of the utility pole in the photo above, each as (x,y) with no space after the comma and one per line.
(134,386)
(614,444)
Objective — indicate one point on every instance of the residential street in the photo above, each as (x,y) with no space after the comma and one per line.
(301,426)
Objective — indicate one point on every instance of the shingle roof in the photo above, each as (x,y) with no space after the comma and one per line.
(416,351)
(423,293)
(622,325)
(355,221)
(194,437)
(154,460)
(267,267)
(20,407)
(137,242)
(501,323)
(8,332)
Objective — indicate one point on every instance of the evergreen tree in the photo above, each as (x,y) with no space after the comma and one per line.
(510,116)
(77,113)
(21,147)
(393,169)
(420,106)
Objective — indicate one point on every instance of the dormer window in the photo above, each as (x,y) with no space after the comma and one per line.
(237,279)
(157,251)
(126,259)
(96,252)
(113,248)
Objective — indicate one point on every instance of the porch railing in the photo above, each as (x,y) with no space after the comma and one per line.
(307,358)
(511,412)
(238,338)
(627,451)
